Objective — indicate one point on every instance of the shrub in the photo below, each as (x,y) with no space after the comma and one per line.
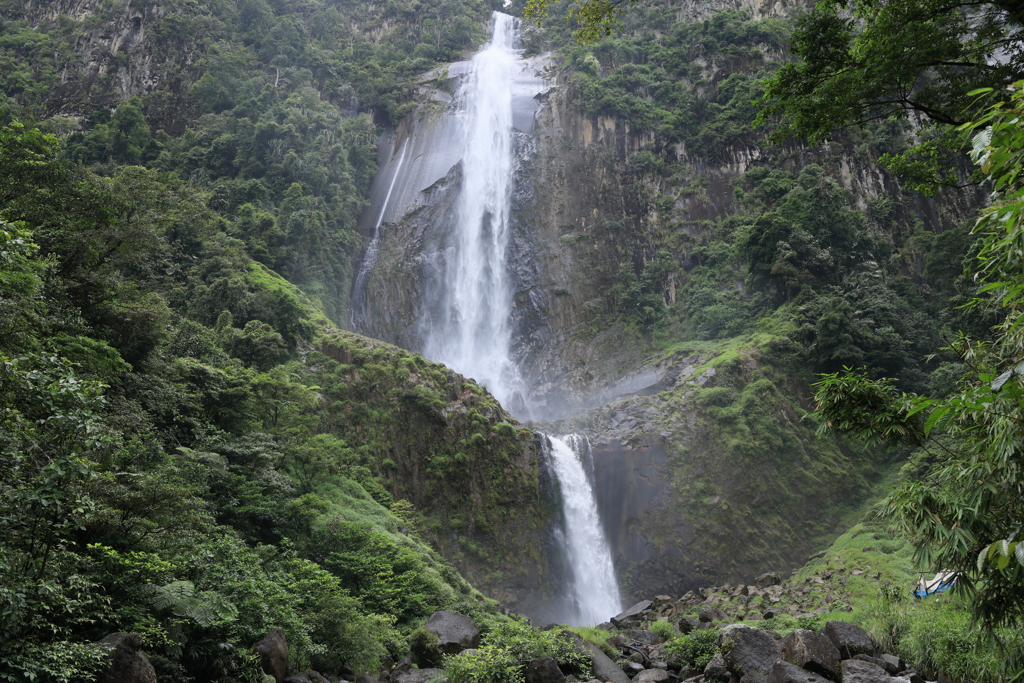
(524,642)
(423,648)
(696,648)
(486,664)
(663,629)
(596,636)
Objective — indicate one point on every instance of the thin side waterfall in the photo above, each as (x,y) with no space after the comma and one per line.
(472,334)
(596,591)
(372,250)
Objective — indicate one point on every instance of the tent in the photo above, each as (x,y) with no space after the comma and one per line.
(943,581)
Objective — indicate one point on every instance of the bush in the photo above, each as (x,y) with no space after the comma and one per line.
(423,648)
(696,648)
(486,664)
(663,629)
(524,643)
(596,636)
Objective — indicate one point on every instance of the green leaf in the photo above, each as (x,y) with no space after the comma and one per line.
(999,381)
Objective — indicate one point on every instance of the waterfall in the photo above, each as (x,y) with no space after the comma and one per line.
(467,289)
(470,330)
(372,251)
(595,591)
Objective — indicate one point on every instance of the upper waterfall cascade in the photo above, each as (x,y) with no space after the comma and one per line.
(470,330)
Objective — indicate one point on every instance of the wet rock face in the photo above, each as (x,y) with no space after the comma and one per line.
(126,663)
(812,651)
(455,632)
(273,652)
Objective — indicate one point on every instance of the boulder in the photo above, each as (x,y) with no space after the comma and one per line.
(812,651)
(650,676)
(849,639)
(631,612)
(419,676)
(273,652)
(716,670)
(126,663)
(576,643)
(746,649)
(365,678)
(753,677)
(645,637)
(308,677)
(784,672)
(632,666)
(542,670)
(709,614)
(767,579)
(687,624)
(604,668)
(455,632)
(891,668)
(893,664)
(859,671)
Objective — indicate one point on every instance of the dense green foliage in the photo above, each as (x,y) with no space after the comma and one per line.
(863,60)
(964,512)
(696,648)
(700,254)
(507,647)
(267,106)
(167,467)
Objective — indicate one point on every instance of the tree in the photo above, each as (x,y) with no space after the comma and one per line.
(869,60)
(965,513)
(594,18)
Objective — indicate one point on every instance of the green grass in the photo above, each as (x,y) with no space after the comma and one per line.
(596,636)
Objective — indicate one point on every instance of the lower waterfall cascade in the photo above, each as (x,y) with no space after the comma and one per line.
(595,596)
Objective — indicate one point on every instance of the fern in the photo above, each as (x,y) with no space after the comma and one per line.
(180,599)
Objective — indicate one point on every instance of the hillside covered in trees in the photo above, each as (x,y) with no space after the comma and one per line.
(195,448)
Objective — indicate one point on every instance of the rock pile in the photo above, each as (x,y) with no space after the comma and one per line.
(839,652)
(769,596)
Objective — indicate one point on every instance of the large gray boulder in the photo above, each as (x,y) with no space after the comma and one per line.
(687,624)
(716,670)
(455,632)
(709,614)
(850,640)
(650,676)
(631,612)
(308,677)
(273,652)
(859,671)
(419,676)
(784,672)
(542,670)
(767,579)
(126,664)
(604,668)
(746,649)
(812,651)
(643,637)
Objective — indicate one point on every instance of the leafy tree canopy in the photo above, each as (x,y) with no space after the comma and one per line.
(866,60)
(964,513)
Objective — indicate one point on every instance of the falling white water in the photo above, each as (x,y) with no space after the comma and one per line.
(373,250)
(473,332)
(596,592)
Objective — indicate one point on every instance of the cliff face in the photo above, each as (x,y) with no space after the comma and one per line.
(707,468)
(109,52)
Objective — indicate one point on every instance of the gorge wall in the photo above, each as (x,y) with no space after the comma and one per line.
(707,468)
